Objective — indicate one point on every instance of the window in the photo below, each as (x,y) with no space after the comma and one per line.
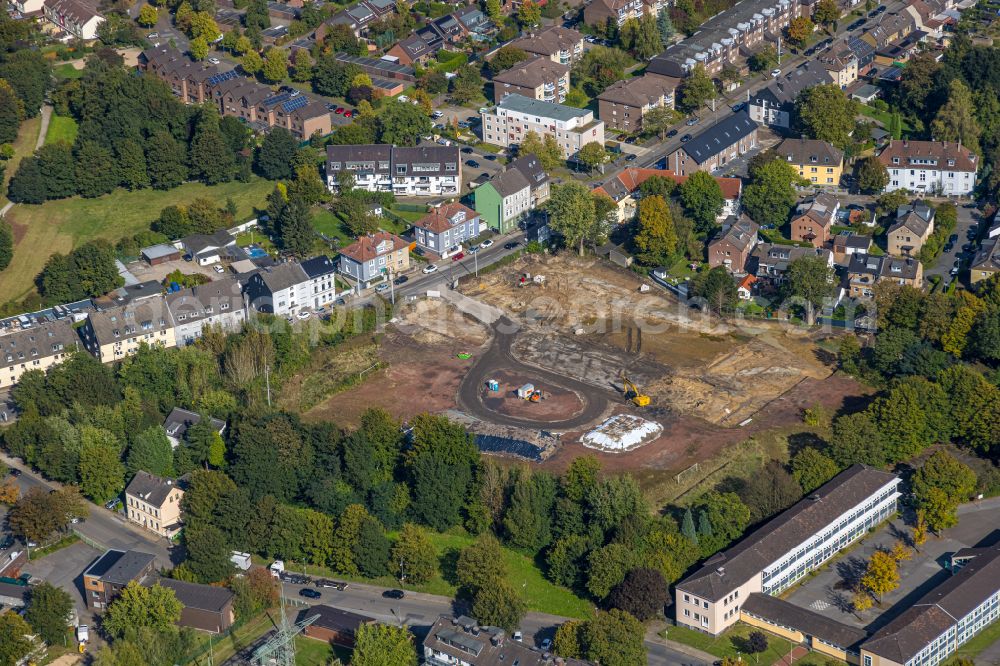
(687,597)
(705,603)
(687,613)
(868,660)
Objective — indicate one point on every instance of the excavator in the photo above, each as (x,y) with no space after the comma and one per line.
(632,392)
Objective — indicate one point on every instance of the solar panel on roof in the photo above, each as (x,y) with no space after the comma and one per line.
(276,99)
(295,103)
(223,76)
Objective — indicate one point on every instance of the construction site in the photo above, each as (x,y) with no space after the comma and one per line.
(593,343)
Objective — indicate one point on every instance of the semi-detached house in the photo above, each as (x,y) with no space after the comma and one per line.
(510,195)
(286,289)
(116,333)
(219,303)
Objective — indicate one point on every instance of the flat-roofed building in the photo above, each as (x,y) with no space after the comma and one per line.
(510,121)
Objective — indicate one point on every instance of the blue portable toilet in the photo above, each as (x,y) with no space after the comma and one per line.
(493,385)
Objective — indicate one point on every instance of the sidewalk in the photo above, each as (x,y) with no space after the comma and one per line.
(654,631)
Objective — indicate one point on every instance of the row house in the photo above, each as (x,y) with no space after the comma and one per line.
(600,13)
(865,271)
(774,105)
(863,52)
(890,28)
(419,171)
(841,65)
(379,67)
(510,121)
(77,17)
(733,244)
(930,167)
(727,38)
(623,104)
(510,195)
(450,30)
(715,146)
(785,549)
(813,219)
(770,261)
(116,333)
(375,258)
(558,44)
(359,16)
(623,189)
(537,78)
(287,289)
(219,303)
(986,263)
(445,228)
(35,348)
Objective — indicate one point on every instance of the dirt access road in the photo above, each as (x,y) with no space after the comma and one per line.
(498,358)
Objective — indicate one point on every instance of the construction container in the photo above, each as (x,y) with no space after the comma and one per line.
(524,393)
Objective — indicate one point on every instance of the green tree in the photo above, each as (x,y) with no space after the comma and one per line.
(607,567)
(695,90)
(383,645)
(6,244)
(102,475)
(151,452)
(95,169)
(198,48)
(529,14)
(28,185)
(938,510)
(402,124)
(207,554)
(414,558)
(666,29)
(687,526)
(956,119)
(702,199)
(827,12)
(372,553)
(275,67)
(212,161)
(495,11)
(811,280)
(547,150)
(717,287)
(166,160)
(252,63)
(439,466)
(943,472)
(614,638)
(498,604)
(132,165)
(872,175)
(505,58)
(295,230)
(274,158)
(11,113)
(763,59)
(243,46)
(14,644)
(569,639)
(347,539)
(139,606)
(769,197)
(655,237)
(826,113)
(148,16)
(658,120)
(812,468)
(592,155)
(571,212)
(643,594)
(303,66)
(480,562)
(528,519)
(48,608)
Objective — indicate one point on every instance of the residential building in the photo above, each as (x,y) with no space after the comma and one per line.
(461,641)
(601,12)
(334,625)
(986,263)
(510,195)
(27,7)
(114,334)
(771,261)
(374,258)
(509,121)
(414,50)
(715,146)
(890,27)
(727,38)
(205,607)
(558,44)
(35,348)
(733,244)
(379,67)
(421,171)
(786,548)
(445,228)
(913,226)
(773,106)
(275,289)
(79,18)
(623,104)
(932,167)
(208,249)
(744,288)
(536,78)
(801,625)
(933,627)
(154,503)
(865,271)
(104,580)
(863,52)
(841,65)
(818,162)
(320,288)
(621,189)
(219,303)
(179,420)
(847,243)
(813,219)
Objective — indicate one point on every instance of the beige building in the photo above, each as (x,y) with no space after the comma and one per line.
(913,226)
(35,348)
(623,104)
(986,263)
(537,78)
(842,66)
(510,121)
(113,334)
(558,44)
(865,270)
(154,503)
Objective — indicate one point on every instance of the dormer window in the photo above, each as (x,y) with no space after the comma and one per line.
(951,162)
(895,160)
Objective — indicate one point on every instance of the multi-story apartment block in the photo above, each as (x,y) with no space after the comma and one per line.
(116,333)
(813,219)
(444,229)
(510,195)
(786,548)
(841,64)
(932,167)
(77,17)
(374,258)
(732,246)
(715,146)
(558,44)
(948,616)
(726,38)
(287,288)
(773,106)
(913,226)
(600,13)
(422,171)
(35,348)
(219,303)
(536,78)
(866,270)
(623,104)
(817,161)
(154,503)
(516,115)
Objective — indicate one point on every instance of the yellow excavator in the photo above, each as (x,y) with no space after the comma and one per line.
(632,392)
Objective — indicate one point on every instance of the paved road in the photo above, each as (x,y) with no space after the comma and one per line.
(967,219)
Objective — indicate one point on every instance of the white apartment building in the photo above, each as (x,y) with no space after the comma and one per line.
(286,289)
(786,548)
(510,121)
(219,303)
(422,171)
(932,167)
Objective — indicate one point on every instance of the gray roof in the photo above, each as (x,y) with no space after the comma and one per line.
(789,615)
(740,232)
(778,257)
(198,243)
(509,182)
(988,256)
(179,420)
(935,612)
(784,90)
(135,319)
(537,107)
(195,595)
(550,41)
(282,276)
(916,217)
(849,239)
(58,337)
(719,136)
(726,571)
(638,91)
(120,567)
(884,266)
(205,300)
(532,72)
(809,151)
(318,266)
(150,488)
(463,639)
(384,159)
(159,251)
(531,169)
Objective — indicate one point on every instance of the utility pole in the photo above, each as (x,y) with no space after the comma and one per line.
(267,381)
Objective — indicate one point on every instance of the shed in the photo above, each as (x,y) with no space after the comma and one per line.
(206,607)
(525,391)
(334,625)
(159,254)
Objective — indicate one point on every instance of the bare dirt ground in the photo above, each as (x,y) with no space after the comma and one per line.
(556,403)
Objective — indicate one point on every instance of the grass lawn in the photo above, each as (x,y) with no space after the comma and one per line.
(24,145)
(326,222)
(313,652)
(65,542)
(980,641)
(67,71)
(409,216)
(731,642)
(61,128)
(225,647)
(883,117)
(59,226)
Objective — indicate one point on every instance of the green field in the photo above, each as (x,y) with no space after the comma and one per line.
(730,644)
(59,226)
(312,652)
(61,128)
(330,224)
(67,71)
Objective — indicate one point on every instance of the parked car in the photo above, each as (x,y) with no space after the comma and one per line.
(472,163)
(948,248)
(491,158)
(215,61)
(348,113)
(458,257)
(339,111)
(685,138)
(382,287)
(393,594)
(112,504)
(693,120)
(737,107)
(775,73)
(631,157)
(14,472)
(518,636)
(511,245)
(467,150)
(430,268)
(671,133)
(324,582)
(303,315)
(436,115)
(152,35)
(309,593)
(7,542)
(545,644)
(219,269)
(486,243)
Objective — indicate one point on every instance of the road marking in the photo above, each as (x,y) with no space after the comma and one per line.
(819,605)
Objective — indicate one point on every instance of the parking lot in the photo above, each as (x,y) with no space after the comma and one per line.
(968,219)
(64,569)
(144,272)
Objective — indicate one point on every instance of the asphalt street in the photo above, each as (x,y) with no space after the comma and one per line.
(967,219)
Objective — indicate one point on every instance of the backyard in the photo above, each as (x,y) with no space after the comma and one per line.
(61,128)
(332,225)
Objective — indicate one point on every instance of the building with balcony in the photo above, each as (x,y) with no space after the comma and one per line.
(558,44)
(770,261)
(537,78)
(773,106)
(786,548)
(601,12)
(77,17)
(623,104)
(509,121)
(374,258)
(866,270)
(422,171)
(930,167)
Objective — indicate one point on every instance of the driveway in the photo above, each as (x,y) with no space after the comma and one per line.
(64,568)
(967,218)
